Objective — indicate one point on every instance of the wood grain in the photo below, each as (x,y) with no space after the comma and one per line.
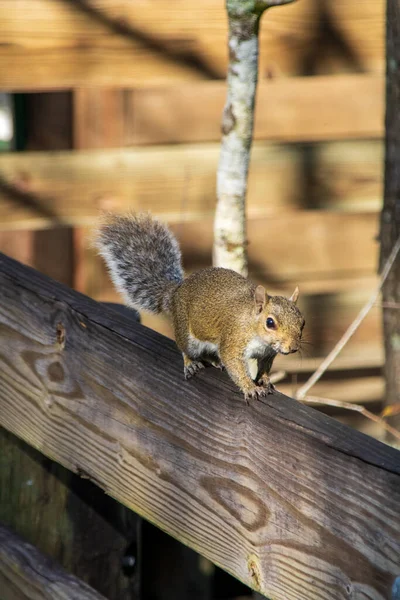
(39,190)
(25,574)
(291,502)
(287,110)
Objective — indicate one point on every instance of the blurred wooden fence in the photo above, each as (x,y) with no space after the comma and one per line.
(135,122)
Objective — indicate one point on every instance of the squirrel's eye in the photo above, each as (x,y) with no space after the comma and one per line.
(271,323)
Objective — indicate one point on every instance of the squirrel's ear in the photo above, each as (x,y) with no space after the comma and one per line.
(260,298)
(295,295)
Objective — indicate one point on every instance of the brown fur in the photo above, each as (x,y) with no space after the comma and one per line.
(219,306)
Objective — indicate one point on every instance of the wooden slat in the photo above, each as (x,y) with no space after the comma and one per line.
(25,573)
(57,44)
(287,110)
(178,183)
(38,190)
(275,493)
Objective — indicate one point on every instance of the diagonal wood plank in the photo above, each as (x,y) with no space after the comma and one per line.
(26,573)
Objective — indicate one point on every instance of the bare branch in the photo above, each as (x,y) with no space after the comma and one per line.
(354,407)
(230,241)
(353,327)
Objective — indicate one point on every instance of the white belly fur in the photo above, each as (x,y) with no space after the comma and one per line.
(198,348)
(256,349)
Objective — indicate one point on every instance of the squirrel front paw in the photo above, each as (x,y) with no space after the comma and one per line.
(255,393)
(192,368)
(266,384)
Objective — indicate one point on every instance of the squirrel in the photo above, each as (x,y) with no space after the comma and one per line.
(219,317)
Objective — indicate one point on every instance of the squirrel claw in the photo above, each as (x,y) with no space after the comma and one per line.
(266,385)
(255,394)
(191,369)
(217,365)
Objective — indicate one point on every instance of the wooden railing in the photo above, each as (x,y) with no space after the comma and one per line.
(286,499)
(26,573)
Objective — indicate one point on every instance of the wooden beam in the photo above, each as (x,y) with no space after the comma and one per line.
(277,494)
(43,189)
(26,573)
(287,110)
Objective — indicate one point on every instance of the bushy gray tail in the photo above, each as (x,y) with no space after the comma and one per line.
(144,260)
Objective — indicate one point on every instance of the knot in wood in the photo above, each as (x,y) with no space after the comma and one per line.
(254,571)
(228,120)
(61,335)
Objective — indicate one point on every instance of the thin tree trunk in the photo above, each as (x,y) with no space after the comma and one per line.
(237,132)
(390,219)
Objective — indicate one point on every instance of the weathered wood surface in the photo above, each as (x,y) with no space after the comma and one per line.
(43,189)
(26,574)
(287,110)
(68,519)
(289,501)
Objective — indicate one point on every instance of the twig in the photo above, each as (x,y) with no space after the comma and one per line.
(354,407)
(353,327)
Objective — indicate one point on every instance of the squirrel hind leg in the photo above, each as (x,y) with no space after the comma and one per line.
(191,367)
